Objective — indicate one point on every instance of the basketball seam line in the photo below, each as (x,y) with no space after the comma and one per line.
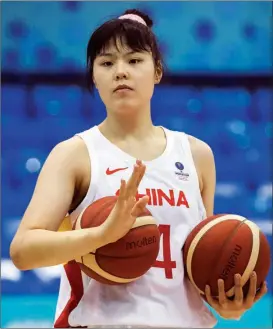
(106,275)
(227,240)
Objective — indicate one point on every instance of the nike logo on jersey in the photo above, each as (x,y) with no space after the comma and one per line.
(111,172)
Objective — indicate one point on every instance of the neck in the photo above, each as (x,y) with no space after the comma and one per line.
(121,126)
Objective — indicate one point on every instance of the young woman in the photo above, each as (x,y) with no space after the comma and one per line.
(171,173)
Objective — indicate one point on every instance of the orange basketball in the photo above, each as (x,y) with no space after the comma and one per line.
(126,259)
(221,246)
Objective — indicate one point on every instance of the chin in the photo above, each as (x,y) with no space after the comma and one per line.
(125,107)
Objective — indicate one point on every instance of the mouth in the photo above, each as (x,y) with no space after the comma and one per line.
(122,88)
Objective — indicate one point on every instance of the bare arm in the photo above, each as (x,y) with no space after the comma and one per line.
(36,243)
(204,161)
(209,180)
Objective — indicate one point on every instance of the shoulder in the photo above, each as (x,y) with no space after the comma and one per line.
(201,152)
(200,148)
(197,146)
(71,154)
(73,148)
(203,158)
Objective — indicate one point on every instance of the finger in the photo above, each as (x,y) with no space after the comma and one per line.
(132,182)
(122,190)
(222,294)
(239,295)
(135,179)
(213,303)
(251,291)
(139,206)
(261,292)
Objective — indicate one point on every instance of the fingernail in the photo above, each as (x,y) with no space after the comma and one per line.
(253,274)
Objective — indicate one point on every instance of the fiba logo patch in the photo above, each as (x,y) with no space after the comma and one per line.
(180,173)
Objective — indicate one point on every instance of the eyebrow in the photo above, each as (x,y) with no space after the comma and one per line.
(113,54)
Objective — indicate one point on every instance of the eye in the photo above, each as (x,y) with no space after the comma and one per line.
(135,61)
(106,64)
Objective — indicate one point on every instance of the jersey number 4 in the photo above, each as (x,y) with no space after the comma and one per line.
(167,264)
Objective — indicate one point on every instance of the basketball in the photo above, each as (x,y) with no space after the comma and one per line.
(128,258)
(221,246)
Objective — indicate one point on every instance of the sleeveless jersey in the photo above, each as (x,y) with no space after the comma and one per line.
(162,297)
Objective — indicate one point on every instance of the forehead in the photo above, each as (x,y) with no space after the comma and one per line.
(119,46)
(116,46)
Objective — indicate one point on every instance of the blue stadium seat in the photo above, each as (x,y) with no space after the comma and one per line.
(239,166)
(45,57)
(225,104)
(60,129)
(11,60)
(229,137)
(14,101)
(23,168)
(173,122)
(165,100)
(181,101)
(197,48)
(238,199)
(19,133)
(260,134)
(4,170)
(229,167)
(263,100)
(206,131)
(41,134)
(93,108)
(51,101)
(257,172)
(230,197)
(14,202)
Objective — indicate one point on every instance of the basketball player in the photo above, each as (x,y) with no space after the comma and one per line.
(124,65)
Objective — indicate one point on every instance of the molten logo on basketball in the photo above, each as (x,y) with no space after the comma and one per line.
(140,243)
(231,262)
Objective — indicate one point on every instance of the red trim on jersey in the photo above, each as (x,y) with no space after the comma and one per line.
(73,273)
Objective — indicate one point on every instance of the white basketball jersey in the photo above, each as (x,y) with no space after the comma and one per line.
(162,297)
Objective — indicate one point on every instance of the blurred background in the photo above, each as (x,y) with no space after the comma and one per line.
(217,87)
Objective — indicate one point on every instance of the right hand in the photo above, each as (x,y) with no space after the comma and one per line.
(126,209)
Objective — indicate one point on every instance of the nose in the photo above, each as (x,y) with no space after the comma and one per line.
(121,71)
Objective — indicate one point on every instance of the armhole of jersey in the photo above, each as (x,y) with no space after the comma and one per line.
(91,192)
(201,206)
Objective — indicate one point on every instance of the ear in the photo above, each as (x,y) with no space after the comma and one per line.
(94,81)
(158,73)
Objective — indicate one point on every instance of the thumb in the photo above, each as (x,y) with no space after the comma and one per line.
(139,206)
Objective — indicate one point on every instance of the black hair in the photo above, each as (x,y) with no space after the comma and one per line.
(137,36)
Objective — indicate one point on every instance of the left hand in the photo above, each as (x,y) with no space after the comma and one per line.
(234,309)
